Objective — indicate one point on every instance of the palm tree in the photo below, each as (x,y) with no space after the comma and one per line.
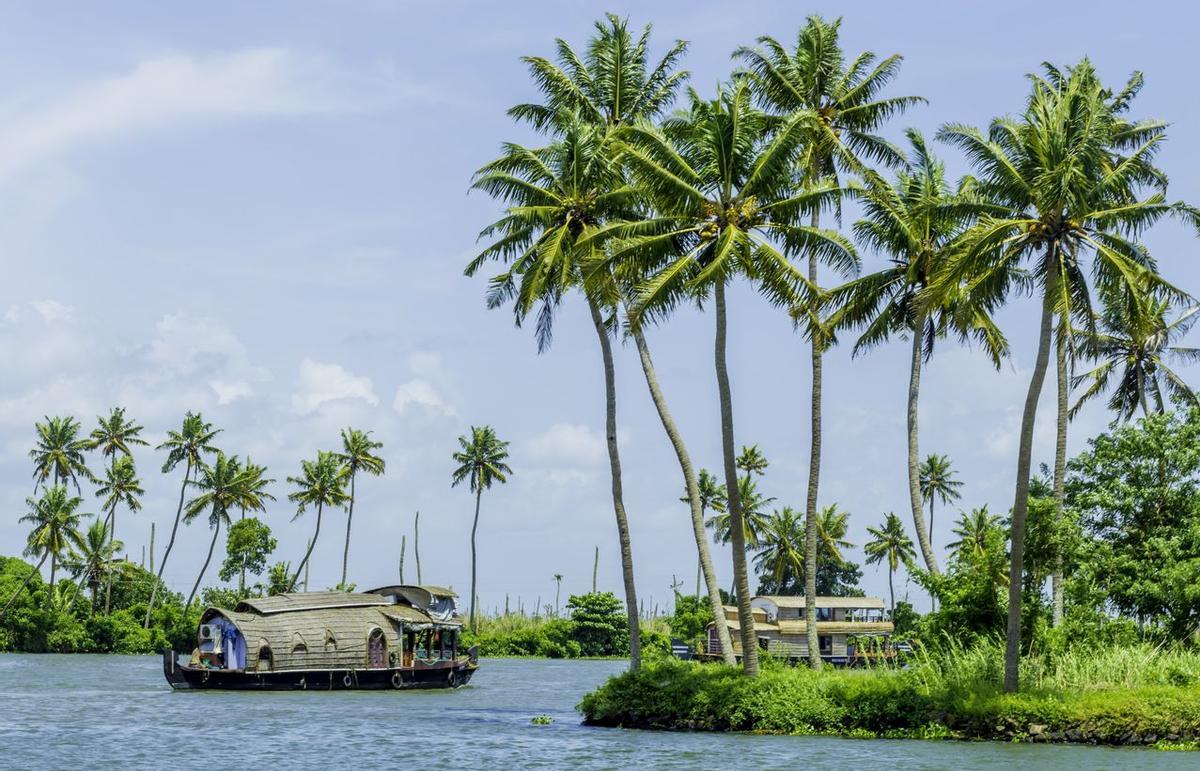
(558,577)
(120,488)
(972,531)
(223,489)
(55,519)
(322,483)
(96,553)
(754,516)
(752,461)
(780,555)
(58,456)
(1134,342)
(115,436)
(915,222)
(889,543)
(832,525)
(936,481)
(481,463)
(844,103)
(720,189)
(1072,172)
(357,455)
(188,445)
(254,496)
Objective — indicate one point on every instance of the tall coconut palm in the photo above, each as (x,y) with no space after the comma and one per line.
(481,460)
(357,453)
(55,518)
(889,544)
(1134,342)
(222,487)
(189,446)
(972,530)
(754,516)
(96,553)
(844,100)
(115,436)
(322,482)
(751,461)
(119,488)
(557,195)
(936,479)
(720,187)
(58,457)
(254,497)
(1078,180)
(780,556)
(914,222)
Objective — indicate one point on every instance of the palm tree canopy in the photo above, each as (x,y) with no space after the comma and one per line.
(889,543)
(611,83)
(937,479)
(481,460)
(973,530)
(120,486)
(915,222)
(1133,344)
(190,443)
(322,482)
(844,97)
(724,204)
(1077,177)
(781,547)
(222,487)
(94,554)
(752,461)
(832,525)
(116,435)
(55,519)
(754,515)
(712,493)
(58,455)
(358,450)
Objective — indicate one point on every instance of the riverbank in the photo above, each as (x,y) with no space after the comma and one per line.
(1152,699)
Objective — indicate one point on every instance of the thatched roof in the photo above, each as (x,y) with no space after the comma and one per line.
(395,589)
(283,603)
(798,601)
(837,627)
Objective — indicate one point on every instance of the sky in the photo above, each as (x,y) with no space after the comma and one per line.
(260,211)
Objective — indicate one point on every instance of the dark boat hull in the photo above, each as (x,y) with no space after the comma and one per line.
(450,674)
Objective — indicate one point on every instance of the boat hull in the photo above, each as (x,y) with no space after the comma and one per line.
(449,674)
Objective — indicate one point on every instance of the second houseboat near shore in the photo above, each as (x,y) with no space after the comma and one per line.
(393,637)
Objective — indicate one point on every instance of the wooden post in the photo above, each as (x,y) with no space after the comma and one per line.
(506,603)
(402,558)
(151,547)
(417,544)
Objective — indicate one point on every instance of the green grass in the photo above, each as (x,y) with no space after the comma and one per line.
(1136,695)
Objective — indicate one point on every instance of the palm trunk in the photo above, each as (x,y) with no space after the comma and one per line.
(614,462)
(557,589)
(595,568)
(349,517)
(112,516)
(212,545)
(924,537)
(693,495)
(53,571)
(892,594)
(1060,471)
(474,528)
(170,543)
(814,478)
(402,545)
(737,522)
(417,545)
(21,589)
(1012,648)
(307,554)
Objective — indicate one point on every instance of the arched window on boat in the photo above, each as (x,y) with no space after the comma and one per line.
(330,640)
(266,662)
(377,657)
(298,645)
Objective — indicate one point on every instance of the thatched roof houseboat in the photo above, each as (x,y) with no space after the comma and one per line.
(391,637)
(844,624)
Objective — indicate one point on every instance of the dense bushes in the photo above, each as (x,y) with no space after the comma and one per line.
(1129,695)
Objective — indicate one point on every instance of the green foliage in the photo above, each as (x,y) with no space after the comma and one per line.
(1114,695)
(598,624)
(247,547)
(693,614)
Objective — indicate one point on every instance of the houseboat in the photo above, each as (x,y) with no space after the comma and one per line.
(848,628)
(393,637)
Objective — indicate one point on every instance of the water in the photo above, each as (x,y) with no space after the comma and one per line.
(118,712)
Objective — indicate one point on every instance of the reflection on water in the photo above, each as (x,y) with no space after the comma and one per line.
(117,712)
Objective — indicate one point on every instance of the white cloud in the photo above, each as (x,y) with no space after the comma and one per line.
(420,393)
(321,383)
(177,89)
(52,310)
(567,444)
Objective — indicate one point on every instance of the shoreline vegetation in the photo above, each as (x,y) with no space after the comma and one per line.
(1136,695)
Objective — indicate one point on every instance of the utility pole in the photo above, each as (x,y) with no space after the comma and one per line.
(595,568)
(417,544)
(402,558)
(151,547)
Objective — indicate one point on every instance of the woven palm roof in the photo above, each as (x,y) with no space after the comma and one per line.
(782,601)
(283,603)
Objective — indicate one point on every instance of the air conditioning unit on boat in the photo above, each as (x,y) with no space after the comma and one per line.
(210,632)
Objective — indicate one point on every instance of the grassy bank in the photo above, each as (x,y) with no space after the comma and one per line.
(1135,695)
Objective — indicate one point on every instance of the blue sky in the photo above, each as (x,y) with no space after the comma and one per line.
(260,211)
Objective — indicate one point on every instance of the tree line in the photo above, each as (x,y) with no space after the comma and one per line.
(646,196)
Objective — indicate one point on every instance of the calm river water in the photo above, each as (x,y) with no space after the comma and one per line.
(117,712)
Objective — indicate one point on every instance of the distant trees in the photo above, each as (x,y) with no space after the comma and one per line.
(482,461)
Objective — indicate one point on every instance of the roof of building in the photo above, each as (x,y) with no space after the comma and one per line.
(293,601)
(797,601)
(837,627)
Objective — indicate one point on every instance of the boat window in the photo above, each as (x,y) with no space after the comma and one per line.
(330,639)
(377,654)
(298,644)
(265,660)
(824,614)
